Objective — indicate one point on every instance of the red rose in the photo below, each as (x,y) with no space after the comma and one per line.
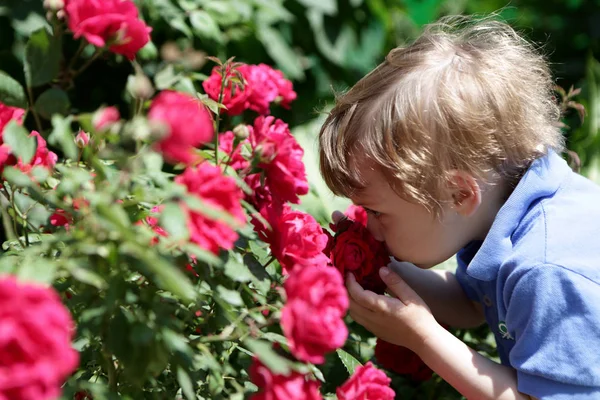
(281,159)
(189,122)
(295,237)
(220,192)
(153,223)
(401,360)
(61,218)
(105,118)
(8,113)
(4,157)
(113,22)
(355,250)
(235,96)
(36,331)
(293,386)
(366,383)
(312,318)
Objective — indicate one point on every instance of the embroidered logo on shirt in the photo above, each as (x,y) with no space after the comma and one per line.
(504,331)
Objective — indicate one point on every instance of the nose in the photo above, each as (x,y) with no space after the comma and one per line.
(375,228)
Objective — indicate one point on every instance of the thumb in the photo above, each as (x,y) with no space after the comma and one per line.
(398,286)
(337,216)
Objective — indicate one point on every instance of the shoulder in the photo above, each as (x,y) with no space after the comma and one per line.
(562,229)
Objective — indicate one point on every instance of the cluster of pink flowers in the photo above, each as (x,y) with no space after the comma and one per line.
(35,346)
(42,157)
(115,23)
(262,86)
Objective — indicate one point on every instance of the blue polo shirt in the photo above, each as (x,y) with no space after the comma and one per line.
(537,275)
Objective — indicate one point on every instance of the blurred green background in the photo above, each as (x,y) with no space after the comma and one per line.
(323,46)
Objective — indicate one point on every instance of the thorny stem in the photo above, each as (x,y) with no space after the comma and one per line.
(76,55)
(89,62)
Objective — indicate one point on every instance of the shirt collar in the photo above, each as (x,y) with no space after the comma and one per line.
(542,179)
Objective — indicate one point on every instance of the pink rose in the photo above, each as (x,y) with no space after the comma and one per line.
(82,139)
(8,113)
(105,117)
(43,157)
(295,237)
(4,157)
(285,88)
(190,124)
(220,192)
(235,97)
(293,386)
(112,22)
(264,89)
(36,331)
(61,218)
(281,159)
(357,214)
(153,223)
(262,86)
(312,318)
(366,383)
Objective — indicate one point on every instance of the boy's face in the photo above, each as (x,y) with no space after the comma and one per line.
(410,231)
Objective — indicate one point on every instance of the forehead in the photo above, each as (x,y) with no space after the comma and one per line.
(377,187)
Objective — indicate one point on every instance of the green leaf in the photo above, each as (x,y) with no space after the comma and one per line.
(230,296)
(166,78)
(15,177)
(20,142)
(63,136)
(169,277)
(281,52)
(186,384)
(349,361)
(37,270)
(11,92)
(53,101)
(201,254)
(236,269)
(264,351)
(87,276)
(42,58)
(205,26)
(174,220)
(328,7)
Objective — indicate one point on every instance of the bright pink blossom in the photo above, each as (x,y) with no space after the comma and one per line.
(312,318)
(42,158)
(108,22)
(219,192)
(366,383)
(235,97)
(295,237)
(234,157)
(105,118)
(189,121)
(281,159)
(293,386)
(36,356)
(82,139)
(8,113)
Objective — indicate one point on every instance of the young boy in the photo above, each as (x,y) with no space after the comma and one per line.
(452,146)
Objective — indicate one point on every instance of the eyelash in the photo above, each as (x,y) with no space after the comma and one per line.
(372,212)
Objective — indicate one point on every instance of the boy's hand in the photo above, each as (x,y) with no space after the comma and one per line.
(404,320)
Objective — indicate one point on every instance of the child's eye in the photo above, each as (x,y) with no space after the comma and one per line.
(372,212)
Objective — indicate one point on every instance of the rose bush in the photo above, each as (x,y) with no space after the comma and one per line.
(159,246)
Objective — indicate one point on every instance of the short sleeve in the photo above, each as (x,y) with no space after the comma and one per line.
(553,314)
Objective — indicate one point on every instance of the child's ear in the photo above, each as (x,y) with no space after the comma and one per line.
(465,193)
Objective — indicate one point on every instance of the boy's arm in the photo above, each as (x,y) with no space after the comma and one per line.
(407,321)
(473,375)
(442,293)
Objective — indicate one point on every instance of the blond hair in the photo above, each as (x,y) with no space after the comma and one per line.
(468,94)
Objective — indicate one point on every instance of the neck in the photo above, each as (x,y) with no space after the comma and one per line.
(493,199)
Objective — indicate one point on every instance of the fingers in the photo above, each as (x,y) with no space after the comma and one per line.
(398,287)
(337,216)
(369,300)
